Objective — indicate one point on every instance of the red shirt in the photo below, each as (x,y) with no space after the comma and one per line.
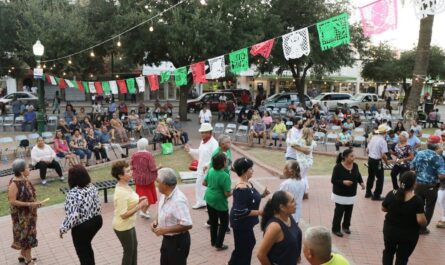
(221,107)
(144,168)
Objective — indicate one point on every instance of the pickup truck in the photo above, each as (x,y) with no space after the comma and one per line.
(359,101)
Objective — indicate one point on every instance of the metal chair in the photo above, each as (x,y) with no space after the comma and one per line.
(331,139)
(320,138)
(230,129)
(52,121)
(360,140)
(218,129)
(6,145)
(18,122)
(8,121)
(242,132)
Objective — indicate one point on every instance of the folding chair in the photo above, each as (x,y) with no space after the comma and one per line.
(331,139)
(320,138)
(242,132)
(218,129)
(8,122)
(359,140)
(230,129)
(6,146)
(18,122)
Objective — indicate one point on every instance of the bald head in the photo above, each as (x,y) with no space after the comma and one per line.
(317,244)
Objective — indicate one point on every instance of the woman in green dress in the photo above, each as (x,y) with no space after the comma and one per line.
(23,206)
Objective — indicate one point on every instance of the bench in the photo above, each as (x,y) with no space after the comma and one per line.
(8,171)
(100,185)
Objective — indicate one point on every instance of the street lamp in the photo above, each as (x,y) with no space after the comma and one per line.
(38,51)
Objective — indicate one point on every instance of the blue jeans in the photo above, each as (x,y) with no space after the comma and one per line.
(82,153)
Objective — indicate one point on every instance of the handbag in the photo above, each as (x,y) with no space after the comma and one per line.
(167,148)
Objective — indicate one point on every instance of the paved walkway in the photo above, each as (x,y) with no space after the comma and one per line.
(364,246)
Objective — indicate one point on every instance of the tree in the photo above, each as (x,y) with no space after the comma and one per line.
(293,15)
(420,67)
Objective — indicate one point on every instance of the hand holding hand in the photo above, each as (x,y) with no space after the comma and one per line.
(159,231)
(266,192)
(362,185)
(143,202)
(154,224)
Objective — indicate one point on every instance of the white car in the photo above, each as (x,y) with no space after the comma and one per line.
(25,97)
(331,99)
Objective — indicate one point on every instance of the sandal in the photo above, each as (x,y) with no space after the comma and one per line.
(22,259)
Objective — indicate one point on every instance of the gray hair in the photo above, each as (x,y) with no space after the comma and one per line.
(223,138)
(18,166)
(432,146)
(142,144)
(405,134)
(318,240)
(168,176)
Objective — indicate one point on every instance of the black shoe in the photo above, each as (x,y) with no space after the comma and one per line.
(124,156)
(379,198)
(223,247)
(228,230)
(368,195)
(346,230)
(280,145)
(337,233)
(424,231)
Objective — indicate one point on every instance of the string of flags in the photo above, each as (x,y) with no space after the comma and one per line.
(332,33)
(376,18)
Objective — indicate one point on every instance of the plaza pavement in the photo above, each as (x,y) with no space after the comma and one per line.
(364,246)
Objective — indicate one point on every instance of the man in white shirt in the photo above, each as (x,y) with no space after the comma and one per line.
(205,115)
(325,108)
(292,136)
(204,153)
(377,149)
(173,221)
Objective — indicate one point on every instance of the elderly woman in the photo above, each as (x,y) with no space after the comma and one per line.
(118,128)
(96,147)
(145,173)
(174,220)
(23,207)
(44,157)
(83,213)
(404,154)
(126,204)
(282,236)
(80,147)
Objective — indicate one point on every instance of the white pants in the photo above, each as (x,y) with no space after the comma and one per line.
(114,147)
(303,173)
(200,189)
(441,200)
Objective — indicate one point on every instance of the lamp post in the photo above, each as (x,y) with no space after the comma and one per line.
(38,51)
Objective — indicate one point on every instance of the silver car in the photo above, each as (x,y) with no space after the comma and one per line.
(25,97)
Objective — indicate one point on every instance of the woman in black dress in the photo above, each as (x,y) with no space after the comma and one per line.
(244,213)
(345,178)
(405,216)
(282,237)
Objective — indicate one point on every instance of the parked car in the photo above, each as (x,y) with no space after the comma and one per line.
(209,98)
(237,93)
(331,99)
(25,97)
(359,101)
(284,99)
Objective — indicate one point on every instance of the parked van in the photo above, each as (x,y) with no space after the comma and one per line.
(331,98)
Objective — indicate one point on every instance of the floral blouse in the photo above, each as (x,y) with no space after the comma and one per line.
(403,152)
(81,204)
(303,159)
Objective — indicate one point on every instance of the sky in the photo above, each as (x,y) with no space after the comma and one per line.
(406,35)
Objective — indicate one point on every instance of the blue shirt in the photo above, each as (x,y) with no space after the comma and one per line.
(413,141)
(16,107)
(29,116)
(394,139)
(112,107)
(104,138)
(428,165)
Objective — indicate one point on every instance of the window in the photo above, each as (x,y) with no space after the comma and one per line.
(374,98)
(23,95)
(283,99)
(328,98)
(367,99)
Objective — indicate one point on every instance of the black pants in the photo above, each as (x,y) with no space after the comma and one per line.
(396,170)
(129,243)
(244,243)
(401,247)
(175,249)
(375,170)
(100,153)
(344,212)
(428,194)
(42,166)
(82,236)
(217,232)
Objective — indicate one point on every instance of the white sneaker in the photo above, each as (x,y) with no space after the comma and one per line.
(44,182)
(198,206)
(61,178)
(145,215)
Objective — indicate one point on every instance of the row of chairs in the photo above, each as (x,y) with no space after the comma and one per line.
(8,121)
(20,145)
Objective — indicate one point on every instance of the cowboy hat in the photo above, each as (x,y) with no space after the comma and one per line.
(381,129)
(206,127)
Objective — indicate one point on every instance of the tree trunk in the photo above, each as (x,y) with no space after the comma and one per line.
(420,68)
(183,96)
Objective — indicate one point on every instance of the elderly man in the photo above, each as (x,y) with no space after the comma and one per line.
(173,221)
(258,130)
(44,157)
(203,154)
(430,168)
(377,149)
(105,139)
(29,118)
(317,247)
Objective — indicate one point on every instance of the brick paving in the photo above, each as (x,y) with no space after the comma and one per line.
(364,246)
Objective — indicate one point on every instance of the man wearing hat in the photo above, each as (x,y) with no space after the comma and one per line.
(430,169)
(377,149)
(203,154)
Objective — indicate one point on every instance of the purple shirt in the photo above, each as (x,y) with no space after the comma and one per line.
(259,127)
